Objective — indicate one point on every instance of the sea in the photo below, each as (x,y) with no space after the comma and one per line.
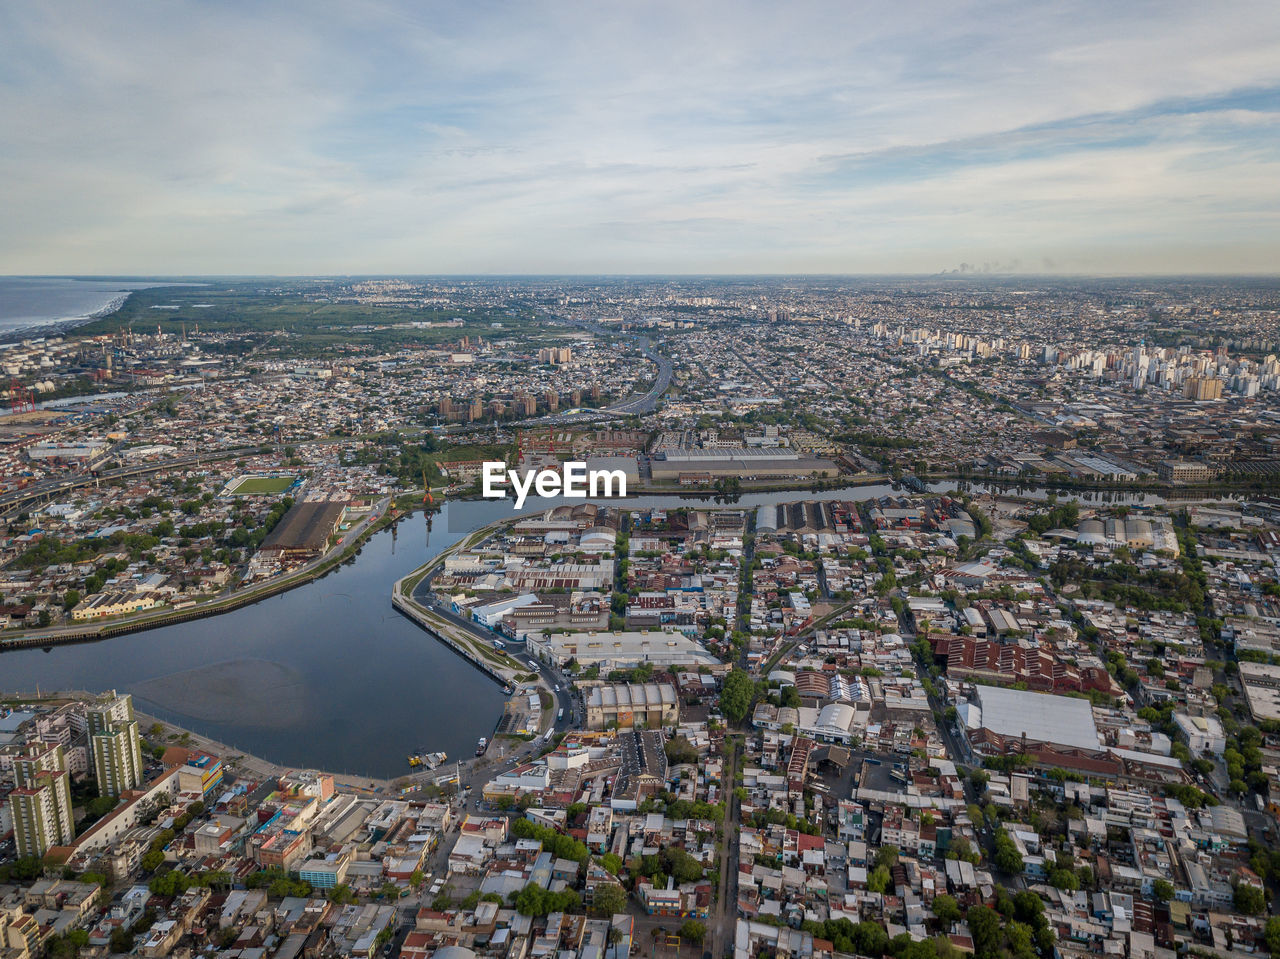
(41,305)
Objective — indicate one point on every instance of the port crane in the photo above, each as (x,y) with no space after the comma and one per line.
(21,399)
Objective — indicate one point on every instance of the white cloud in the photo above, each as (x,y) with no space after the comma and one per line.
(197,137)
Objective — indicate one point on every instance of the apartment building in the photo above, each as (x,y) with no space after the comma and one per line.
(41,805)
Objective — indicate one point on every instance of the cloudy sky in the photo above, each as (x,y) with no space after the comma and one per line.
(632,137)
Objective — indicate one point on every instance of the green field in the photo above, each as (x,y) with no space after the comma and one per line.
(292,317)
(261,485)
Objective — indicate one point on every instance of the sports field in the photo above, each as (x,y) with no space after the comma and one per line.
(260,485)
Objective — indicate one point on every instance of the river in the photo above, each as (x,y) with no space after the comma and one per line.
(327,675)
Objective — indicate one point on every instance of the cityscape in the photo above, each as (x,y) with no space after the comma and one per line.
(939,616)
(639,480)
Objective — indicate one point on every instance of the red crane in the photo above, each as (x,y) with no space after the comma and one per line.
(21,399)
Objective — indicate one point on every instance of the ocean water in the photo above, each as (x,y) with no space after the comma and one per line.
(40,303)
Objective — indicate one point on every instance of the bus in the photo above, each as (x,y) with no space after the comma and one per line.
(560,715)
(499,644)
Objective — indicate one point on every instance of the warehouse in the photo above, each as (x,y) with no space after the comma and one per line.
(620,650)
(632,705)
(303,533)
(998,716)
(743,464)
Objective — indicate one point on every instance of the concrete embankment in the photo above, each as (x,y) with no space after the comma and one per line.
(449,634)
(255,594)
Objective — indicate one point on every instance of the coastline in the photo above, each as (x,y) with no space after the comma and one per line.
(64,325)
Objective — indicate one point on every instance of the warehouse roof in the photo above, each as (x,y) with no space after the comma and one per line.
(306,526)
(1061,720)
(626,694)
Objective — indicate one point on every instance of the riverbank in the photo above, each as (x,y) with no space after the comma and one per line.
(243,764)
(343,551)
(498,665)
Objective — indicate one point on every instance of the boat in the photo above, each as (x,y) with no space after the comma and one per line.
(430,760)
(480,747)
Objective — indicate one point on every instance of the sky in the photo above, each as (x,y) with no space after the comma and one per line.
(260,137)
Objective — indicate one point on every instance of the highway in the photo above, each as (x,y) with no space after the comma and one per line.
(46,489)
(633,406)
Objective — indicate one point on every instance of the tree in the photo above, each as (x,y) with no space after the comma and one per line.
(611,862)
(879,879)
(173,883)
(121,940)
(694,931)
(1007,857)
(984,927)
(680,750)
(1163,890)
(1249,899)
(71,599)
(1271,935)
(1064,879)
(946,909)
(342,894)
(608,900)
(152,860)
(681,865)
(735,695)
(887,856)
(415,879)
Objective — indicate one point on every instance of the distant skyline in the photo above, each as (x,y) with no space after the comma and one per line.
(544,138)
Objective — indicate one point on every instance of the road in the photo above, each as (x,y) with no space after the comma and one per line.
(633,406)
(558,684)
(724,914)
(151,619)
(45,489)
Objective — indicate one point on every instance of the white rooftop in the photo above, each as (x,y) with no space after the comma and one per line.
(1062,720)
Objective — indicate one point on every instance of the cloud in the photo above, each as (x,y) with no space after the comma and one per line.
(327,137)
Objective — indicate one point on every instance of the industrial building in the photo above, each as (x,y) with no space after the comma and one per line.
(632,705)
(1261,682)
(998,716)
(743,463)
(303,533)
(621,650)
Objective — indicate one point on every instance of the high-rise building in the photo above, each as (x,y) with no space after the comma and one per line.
(110,709)
(475,410)
(36,758)
(1141,366)
(1202,388)
(555,355)
(117,758)
(115,744)
(41,805)
(552,400)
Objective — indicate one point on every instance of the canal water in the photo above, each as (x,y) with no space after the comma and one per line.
(327,675)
